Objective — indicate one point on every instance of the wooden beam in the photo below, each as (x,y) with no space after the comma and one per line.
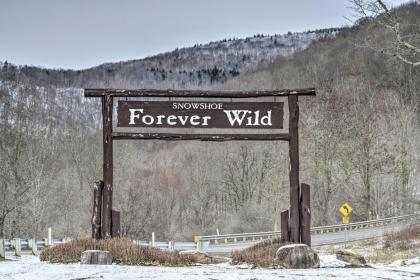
(97,208)
(294,169)
(115,224)
(305,214)
(202,137)
(107,166)
(93,92)
(284,228)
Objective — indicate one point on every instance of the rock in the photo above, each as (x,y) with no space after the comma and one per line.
(96,257)
(349,257)
(297,256)
(202,258)
(219,259)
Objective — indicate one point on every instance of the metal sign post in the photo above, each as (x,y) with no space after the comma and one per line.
(345,210)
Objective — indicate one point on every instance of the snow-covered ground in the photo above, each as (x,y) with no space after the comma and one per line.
(29,267)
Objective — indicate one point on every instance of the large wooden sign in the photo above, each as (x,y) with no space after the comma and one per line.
(196,114)
(207,116)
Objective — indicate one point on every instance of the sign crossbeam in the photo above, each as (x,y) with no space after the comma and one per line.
(202,137)
(95,92)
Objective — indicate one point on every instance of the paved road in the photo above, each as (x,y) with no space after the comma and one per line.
(318,239)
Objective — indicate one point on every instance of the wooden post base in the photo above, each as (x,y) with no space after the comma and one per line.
(98,212)
(304,219)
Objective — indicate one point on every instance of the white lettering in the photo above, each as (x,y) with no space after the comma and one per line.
(205,119)
(235,116)
(267,119)
(170,120)
(133,115)
(249,121)
(159,119)
(150,121)
(193,120)
(183,119)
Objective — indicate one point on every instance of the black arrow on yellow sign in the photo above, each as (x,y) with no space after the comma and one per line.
(347,209)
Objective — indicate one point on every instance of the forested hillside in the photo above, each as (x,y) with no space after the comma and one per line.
(197,66)
(358,138)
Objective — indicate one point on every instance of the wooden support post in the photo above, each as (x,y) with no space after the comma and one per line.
(107,167)
(284,226)
(17,245)
(2,249)
(305,214)
(115,224)
(294,169)
(97,206)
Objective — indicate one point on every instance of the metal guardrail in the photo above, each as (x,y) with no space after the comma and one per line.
(171,245)
(204,242)
(254,236)
(18,245)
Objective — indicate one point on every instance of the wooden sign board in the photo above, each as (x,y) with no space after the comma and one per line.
(171,114)
(204,116)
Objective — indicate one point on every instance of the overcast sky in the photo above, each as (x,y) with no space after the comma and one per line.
(83,33)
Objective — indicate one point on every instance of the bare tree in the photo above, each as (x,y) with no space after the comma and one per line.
(406,39)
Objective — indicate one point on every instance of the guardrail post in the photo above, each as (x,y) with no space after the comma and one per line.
(218,233)
(32,245)
(2,249)
(50,241)
(18,251)
(153,239)
(200,245)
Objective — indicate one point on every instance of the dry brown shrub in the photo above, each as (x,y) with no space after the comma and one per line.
(262,254)
(123,251)
(403,240)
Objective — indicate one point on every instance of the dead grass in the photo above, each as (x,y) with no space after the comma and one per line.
(123,251)
(397,246)
(404,240)
(389,256)
(260,255)
(389,248)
